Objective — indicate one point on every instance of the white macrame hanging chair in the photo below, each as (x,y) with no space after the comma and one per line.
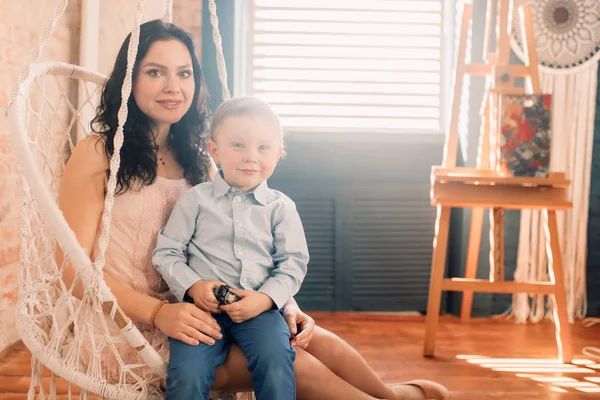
(75,338)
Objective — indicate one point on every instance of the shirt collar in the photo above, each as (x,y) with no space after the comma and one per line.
(221,188)
(260,193)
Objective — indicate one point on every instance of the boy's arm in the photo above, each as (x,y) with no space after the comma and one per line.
(170,255)
(290,256)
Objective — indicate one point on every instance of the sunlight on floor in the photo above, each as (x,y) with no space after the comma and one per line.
(543,370)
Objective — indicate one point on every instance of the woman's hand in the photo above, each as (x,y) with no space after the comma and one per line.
(188,323)
(300,322)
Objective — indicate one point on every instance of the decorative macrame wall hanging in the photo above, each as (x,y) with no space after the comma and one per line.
(567,37)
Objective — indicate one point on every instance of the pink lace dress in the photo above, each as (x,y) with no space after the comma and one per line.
(137,217)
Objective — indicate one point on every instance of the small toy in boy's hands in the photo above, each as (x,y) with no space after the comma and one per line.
(224,295)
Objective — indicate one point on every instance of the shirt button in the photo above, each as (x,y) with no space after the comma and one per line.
(239,224)
(241,251)
(238,199)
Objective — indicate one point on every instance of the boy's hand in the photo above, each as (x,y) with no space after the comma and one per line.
(250,305)
(204,298)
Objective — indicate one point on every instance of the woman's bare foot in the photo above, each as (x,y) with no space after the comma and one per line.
(420,389)
(407,392)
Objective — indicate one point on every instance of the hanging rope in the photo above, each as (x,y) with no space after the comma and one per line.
(219,47)
(168,11)
(60,9)
(115,160)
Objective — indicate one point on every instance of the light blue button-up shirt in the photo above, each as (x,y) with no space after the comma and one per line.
(252,241)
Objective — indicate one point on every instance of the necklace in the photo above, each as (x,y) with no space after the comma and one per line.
(160,158)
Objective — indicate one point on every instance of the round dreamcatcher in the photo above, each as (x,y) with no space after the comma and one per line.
(567,34)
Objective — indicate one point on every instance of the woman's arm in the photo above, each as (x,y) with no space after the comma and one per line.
(81,199)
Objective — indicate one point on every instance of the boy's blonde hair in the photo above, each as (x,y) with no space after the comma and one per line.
(237,106)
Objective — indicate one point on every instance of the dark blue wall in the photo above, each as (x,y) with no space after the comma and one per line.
(593,260)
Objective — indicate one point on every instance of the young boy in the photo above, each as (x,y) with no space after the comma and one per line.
(236,231)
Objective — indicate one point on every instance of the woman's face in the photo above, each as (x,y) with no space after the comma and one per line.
(164,85)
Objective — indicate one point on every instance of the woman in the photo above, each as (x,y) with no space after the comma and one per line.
(162,157)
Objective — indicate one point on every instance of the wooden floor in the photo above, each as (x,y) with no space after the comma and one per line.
(482,359)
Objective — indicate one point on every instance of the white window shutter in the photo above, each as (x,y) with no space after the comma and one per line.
(345,64)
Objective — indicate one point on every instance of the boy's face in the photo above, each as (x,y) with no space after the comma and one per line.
(247,147)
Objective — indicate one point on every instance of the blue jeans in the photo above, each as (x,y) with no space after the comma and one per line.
(265,340)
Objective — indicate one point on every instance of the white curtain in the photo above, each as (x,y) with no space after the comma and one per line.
(573,110)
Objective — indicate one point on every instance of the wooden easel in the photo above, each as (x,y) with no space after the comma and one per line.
(483,187)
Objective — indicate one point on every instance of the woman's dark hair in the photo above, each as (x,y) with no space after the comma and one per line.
(187,137)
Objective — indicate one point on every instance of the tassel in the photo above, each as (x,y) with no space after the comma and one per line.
(521,308)
(31,392)
(53,387)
